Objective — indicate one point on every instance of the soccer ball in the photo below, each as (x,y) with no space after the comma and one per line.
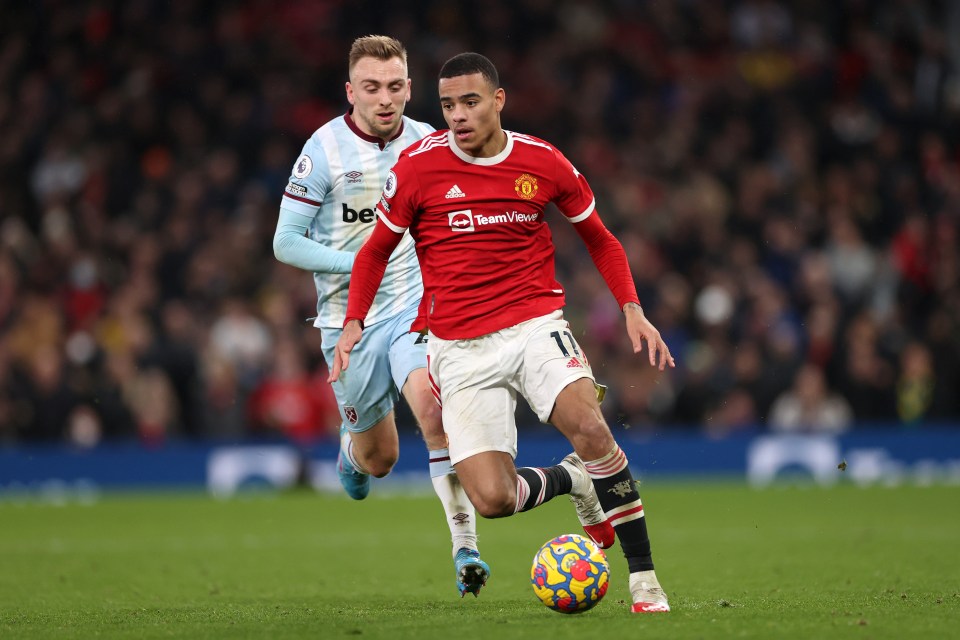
(570,574)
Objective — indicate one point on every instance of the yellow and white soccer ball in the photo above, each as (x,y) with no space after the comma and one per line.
(570,574)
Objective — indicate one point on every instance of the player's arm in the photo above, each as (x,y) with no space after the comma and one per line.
(368,269)
(611,261)
(292,246)
(309,184)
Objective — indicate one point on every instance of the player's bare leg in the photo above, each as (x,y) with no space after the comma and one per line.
(577,415)
(376,450)
(371,452)
(472,573)
(490,480)
(498,489)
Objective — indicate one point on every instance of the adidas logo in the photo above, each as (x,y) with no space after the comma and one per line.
(574,364)
(455,193)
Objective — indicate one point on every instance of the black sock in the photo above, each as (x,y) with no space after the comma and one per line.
(621,503)
(536,486)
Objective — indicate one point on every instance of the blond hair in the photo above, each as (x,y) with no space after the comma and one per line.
(378,47)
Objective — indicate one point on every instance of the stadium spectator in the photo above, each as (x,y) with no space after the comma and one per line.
(290,402)
(809,406)
(916,385)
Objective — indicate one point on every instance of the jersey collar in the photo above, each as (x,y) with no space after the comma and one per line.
(486,162)
(366,136)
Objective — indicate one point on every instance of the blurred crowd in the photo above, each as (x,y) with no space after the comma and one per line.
(784,176)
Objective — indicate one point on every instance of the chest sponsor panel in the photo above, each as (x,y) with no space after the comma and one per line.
(467,221)
(350,215)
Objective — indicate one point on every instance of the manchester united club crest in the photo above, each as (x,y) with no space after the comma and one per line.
(351,413)
(526,186)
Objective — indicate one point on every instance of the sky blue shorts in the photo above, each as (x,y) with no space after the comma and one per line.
(379,366)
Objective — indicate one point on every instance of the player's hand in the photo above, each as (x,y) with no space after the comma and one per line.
(640,329)
(341,351)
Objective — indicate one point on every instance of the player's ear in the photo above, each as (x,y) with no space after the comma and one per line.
(409,89)
(500,98)
(349,89)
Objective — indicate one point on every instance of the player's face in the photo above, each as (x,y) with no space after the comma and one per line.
(379,91)
(471,106)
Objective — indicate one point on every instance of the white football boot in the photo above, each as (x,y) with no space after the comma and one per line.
(584,498)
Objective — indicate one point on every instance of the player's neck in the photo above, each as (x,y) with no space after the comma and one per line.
(363,130)
(384,139)
(492,147)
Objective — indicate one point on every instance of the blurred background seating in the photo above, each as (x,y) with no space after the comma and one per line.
(785,178)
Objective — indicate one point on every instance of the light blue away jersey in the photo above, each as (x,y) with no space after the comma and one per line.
(337,180)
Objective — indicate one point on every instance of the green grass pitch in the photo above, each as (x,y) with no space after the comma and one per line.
(787,562)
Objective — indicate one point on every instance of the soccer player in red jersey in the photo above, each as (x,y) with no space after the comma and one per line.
(473,198)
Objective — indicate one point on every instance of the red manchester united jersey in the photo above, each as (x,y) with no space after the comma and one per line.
(485,249)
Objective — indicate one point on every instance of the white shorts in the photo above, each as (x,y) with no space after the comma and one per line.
(478,380)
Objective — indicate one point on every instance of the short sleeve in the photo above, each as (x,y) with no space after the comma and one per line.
(309,180)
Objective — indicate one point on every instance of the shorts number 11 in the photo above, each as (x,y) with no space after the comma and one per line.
(573,343)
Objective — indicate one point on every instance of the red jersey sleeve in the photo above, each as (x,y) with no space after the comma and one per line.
(394,214)
(575,200)
(611,260)
(574,196)
(368,269)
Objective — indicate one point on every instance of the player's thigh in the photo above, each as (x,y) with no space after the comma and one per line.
(477,404)
(425,408)
(408,366)
(577,415)
(552,360)
(365,392)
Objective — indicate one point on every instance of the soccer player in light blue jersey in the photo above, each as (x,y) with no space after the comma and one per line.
(326,214)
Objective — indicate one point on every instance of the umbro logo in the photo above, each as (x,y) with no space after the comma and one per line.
(353,177)
(455,193)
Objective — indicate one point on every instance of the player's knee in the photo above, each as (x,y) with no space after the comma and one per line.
(595,429)
(593,439)
(495,505)
(380,465)
(380,470)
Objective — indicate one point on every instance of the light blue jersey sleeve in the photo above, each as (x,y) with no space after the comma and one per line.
(309,184)
(292,246)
